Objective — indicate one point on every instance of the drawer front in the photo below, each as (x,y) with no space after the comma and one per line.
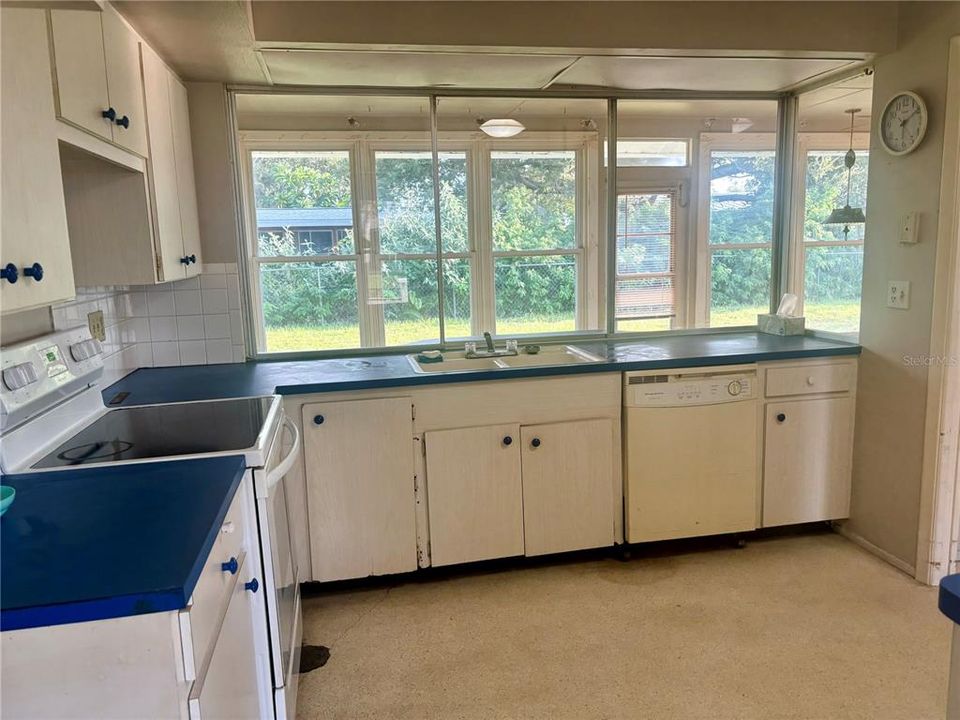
(810,379)
(212,592)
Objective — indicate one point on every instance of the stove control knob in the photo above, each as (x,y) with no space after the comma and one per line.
(85,349)
(735,387)
(18,376)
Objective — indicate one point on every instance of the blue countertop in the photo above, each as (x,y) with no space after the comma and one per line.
(99,543)
(204,382)
(949,601)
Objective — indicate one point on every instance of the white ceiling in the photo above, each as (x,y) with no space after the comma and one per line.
(697,73)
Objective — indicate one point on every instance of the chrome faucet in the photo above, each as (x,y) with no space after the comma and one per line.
(470,349)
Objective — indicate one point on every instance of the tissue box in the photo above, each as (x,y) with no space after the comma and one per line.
(780,325)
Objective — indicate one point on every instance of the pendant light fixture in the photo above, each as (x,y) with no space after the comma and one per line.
(847,215)
(501,127)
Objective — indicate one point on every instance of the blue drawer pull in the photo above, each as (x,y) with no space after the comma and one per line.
(110,114)
(231,566)
(185,260)
(318,419)
(9,273)
(35,271)
(252,586)
(123,122)
(192,258)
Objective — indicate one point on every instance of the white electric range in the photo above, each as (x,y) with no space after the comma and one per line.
(52,417)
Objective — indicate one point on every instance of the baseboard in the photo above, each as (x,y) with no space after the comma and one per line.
(853,537)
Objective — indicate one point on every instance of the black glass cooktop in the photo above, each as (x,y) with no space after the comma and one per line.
(155,431)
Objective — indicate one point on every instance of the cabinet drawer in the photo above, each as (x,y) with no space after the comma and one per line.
(212,592)
(810,379)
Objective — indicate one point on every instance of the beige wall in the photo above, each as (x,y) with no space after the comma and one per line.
(216,202)
(891,396)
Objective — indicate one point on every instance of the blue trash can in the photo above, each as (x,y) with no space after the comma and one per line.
(950,606)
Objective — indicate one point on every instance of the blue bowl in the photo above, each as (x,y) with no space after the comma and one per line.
(7,494)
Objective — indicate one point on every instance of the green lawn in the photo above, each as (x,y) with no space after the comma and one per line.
(836,317)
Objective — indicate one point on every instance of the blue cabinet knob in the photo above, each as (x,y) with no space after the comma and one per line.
(508,440)
(123,122)
(9,273)
(535,442)
(35,271)
(252,586)
(185,260)
(318,419)
(231,566)
(110,114)
(192,258)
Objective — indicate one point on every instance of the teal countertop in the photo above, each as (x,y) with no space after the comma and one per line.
(296,377)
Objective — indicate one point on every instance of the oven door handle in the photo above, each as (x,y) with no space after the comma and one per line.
(284,465)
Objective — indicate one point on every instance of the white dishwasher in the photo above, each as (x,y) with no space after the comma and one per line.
(691,461)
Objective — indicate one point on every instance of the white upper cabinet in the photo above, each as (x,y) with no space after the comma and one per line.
(34,222)
(162,171)
(186,184)
(124,85)
(98,76)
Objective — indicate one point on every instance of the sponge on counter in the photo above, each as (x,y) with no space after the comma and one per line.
(430,356)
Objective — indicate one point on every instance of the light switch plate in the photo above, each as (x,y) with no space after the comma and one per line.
(910,228)
(95,322)
(898,294)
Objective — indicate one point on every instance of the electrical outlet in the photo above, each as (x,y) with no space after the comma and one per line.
(909,228)
(898,294)
(95,323)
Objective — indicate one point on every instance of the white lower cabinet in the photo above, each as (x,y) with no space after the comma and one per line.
(807,457)
(567,493)
(474,493)
(209,660)
(358,461)
(503,490)
(229,688)
(808,422)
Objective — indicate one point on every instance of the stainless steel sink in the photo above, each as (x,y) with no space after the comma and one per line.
(548,355)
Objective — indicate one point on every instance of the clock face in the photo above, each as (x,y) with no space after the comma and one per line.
(903,123)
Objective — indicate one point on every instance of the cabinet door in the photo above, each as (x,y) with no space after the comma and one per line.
(124,82)
(229,690)
(81,70)
(474,495)
(162,165)
(358,459)
(806,461)
(186,185)
(34,219)
(567,489)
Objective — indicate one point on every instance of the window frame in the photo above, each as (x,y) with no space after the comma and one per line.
(368,257)
(807,142)
(708,142)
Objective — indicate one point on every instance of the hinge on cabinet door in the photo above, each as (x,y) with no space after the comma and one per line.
(413,411)
(159,267)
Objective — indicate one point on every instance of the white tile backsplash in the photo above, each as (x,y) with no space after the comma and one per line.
(192,321)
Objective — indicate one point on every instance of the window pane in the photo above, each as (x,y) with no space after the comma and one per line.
(645,258)
(534,200)
(651,153)
(833,277)
(303,203)
(536,294)
(456,298)
(310,306)
(741,196)
(826,189)
(645,298)
(740,286)
(409,299)
(405,202)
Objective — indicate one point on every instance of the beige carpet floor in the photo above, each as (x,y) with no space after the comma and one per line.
(805,626)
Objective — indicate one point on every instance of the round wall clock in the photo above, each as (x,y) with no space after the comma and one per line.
(903,123)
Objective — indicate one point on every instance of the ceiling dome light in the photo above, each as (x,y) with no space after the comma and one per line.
(502,127)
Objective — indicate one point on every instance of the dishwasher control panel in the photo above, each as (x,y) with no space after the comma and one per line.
(678,390)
